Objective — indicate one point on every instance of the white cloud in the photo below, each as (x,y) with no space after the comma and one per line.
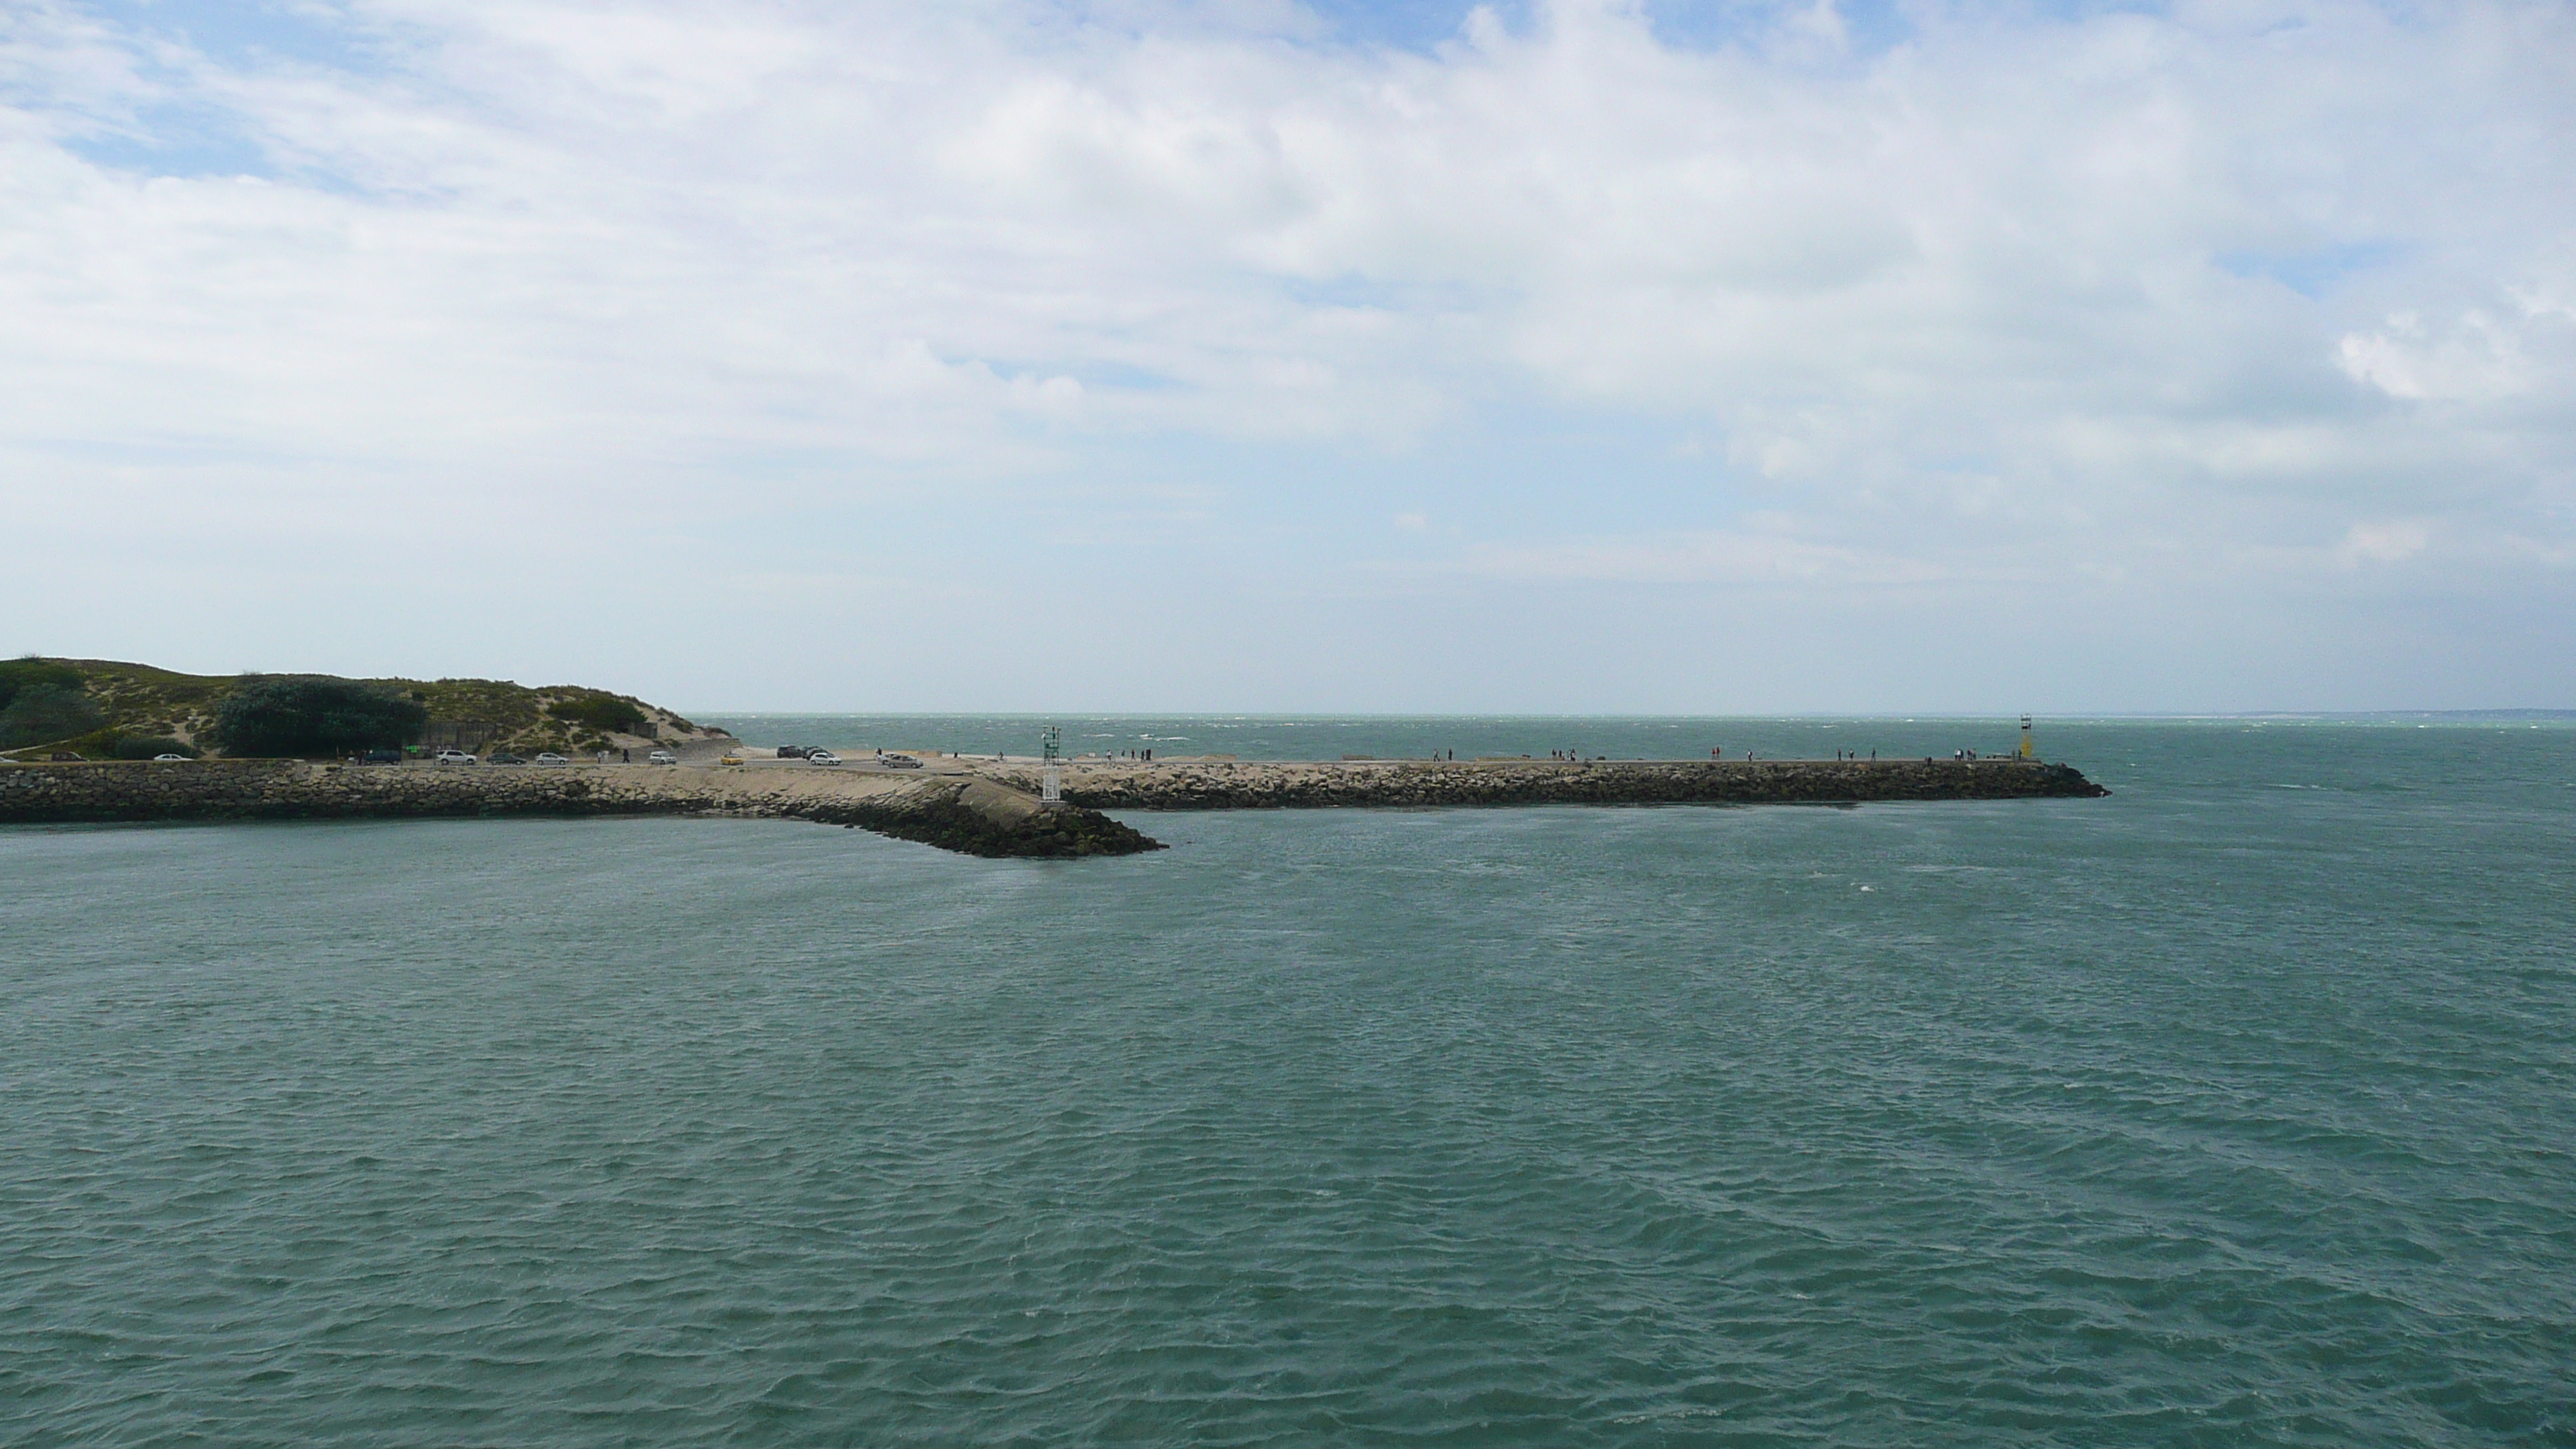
(2011,299)
(2390,542)
(2474,358)
(1742,558)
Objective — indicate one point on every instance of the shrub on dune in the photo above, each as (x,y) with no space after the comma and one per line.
(314,714)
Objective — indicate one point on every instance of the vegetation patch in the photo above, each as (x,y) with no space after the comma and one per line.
(19,675)
(150,747)
(86,705)
(602,714)
(314,714)
(46,702)
(510,709)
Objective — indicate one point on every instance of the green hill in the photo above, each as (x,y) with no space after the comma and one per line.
(111,702)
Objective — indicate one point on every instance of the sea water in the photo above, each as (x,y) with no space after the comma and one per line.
(2236,1108)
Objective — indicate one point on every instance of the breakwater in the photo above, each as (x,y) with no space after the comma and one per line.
(1231,785)
(975,817)
(982,808)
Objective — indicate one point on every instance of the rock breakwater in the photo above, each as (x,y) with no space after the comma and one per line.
(977,817)
(987,809)
(1226,785)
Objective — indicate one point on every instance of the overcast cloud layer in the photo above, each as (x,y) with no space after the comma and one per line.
(1019,355)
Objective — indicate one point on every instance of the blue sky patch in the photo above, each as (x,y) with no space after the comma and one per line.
(2310,274)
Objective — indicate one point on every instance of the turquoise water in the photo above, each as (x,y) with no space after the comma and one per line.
(2234,1109)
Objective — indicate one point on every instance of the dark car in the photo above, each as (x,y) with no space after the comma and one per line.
(64,757)
(794,752)
(505,758)
(384,757)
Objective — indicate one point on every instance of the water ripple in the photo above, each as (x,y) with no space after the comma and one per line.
(2092,1123)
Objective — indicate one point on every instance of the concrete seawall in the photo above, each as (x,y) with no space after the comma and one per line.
(976,817)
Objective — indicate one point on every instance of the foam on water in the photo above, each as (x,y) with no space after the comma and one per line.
(2209,1113)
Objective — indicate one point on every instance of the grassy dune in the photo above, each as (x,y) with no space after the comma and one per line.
(140,701)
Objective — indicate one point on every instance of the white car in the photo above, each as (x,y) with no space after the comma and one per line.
(661,757)
(822,757)
(164,759)
(454,757)
(551,758)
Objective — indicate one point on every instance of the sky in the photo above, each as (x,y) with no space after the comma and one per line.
(1575,356)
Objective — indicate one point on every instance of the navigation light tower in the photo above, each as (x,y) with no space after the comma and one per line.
(1050,775)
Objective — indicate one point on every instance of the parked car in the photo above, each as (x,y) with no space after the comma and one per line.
(551,758)
(165,759)
(821,757)
(506,758)
(455,757)
(661,757)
